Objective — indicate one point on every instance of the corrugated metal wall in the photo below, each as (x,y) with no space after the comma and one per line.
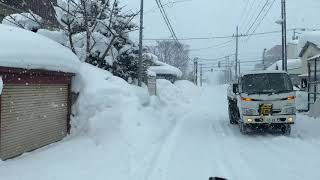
(31,117)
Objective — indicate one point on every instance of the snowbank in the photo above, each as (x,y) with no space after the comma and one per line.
(314,109)
(292,64)
(188,88)
(25,49)
(99,92)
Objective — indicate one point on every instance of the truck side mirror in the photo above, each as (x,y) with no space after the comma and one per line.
(304,83)
(235,88)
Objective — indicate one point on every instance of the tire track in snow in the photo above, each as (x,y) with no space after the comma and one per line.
(158,168)
(230,149)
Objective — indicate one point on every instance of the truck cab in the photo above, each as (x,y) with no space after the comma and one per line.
(262,100)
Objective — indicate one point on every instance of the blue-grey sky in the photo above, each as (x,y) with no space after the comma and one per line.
(204,18)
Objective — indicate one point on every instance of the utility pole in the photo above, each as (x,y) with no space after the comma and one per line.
(263,59)
(196,70)
(284,35)
(237,46)
(201,75)
(140,46)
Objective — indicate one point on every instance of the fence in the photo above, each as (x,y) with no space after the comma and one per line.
(314,81)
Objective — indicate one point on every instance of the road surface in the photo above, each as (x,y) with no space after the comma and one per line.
(204,144)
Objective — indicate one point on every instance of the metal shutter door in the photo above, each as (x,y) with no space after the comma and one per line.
(31,117)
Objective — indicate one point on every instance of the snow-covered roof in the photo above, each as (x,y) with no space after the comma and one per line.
(261,72)
(311,37)
(20,48)
(292,64)
(313,57)
(164,68)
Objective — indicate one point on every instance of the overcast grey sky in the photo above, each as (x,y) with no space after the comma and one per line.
(203,18)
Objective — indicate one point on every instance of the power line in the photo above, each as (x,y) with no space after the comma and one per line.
(248,15)
(271,5)
(227,43)
(214,59)
(217,37)
(221,37)
(160,6)
(256,19)
(166,16)
(244,10)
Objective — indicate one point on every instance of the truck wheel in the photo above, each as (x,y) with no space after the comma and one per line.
(233,115)
(286,129)
(243,128)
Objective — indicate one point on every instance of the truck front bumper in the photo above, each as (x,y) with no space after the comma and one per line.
(274,119)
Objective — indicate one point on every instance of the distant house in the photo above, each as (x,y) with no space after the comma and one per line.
(42,8)
(275,53)
(294,66)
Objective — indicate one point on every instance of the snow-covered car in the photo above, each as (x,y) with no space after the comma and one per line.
(262,100)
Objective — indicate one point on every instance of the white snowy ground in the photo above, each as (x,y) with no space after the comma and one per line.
(182,135)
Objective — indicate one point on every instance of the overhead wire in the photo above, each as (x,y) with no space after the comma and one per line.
(160,6)
(221,45)
(218,37)
(265,15)
(259,14)
(247,19)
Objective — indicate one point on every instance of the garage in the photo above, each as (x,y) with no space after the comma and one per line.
(35,101)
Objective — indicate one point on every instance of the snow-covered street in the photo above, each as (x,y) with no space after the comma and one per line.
(188,138)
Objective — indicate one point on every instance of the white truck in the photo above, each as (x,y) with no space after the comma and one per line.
(262,100)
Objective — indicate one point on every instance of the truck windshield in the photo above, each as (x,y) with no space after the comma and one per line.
(266,83)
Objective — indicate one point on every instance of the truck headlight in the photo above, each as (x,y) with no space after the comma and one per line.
(249,112)
(291,110)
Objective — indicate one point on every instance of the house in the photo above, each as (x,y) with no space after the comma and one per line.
(35,102)
(308,47)
(275,53)
(314,85)
(42,8)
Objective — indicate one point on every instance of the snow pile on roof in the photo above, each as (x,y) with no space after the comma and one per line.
(151,73)
(292,64)
(151,57)
(313,37)
(164,68)
(25,49)
(28,21)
